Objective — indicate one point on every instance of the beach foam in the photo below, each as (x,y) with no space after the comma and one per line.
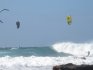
(27,63)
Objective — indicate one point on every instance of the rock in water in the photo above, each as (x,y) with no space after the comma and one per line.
(71,66)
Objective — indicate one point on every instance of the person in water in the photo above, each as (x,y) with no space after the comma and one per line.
(88,53)
(86,56)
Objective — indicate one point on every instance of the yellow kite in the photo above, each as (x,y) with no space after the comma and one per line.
(69,20)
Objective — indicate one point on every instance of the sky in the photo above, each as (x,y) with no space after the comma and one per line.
(43,22)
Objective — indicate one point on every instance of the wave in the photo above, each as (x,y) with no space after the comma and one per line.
(27,63)
(13,48)
(42,61)
(76,49)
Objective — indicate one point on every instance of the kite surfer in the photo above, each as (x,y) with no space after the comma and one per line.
(18,24)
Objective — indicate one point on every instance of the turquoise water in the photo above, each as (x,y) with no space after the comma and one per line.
(29,51)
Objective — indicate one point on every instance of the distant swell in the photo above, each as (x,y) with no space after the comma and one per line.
(77,49)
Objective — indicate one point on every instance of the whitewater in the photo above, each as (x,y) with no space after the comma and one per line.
(44,58)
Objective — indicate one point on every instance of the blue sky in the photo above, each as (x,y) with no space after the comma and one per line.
(43,22)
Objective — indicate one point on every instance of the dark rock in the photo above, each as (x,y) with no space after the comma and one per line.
(71,66)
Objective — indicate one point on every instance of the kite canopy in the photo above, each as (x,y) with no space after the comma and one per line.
(1,21)
(1,12)
(4,10)
(69,20)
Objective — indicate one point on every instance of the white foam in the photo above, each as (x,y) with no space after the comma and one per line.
(33,62)
(77,49)
(14,48)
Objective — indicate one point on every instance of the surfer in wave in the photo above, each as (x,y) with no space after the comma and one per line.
(84,57)
(88,53)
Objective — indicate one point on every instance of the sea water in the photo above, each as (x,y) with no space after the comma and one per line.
(45,57)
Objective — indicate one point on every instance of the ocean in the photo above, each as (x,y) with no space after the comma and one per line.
(45,57)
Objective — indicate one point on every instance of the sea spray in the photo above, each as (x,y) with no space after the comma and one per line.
(76,49)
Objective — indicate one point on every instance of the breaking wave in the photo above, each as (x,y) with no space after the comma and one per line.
(76,49)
